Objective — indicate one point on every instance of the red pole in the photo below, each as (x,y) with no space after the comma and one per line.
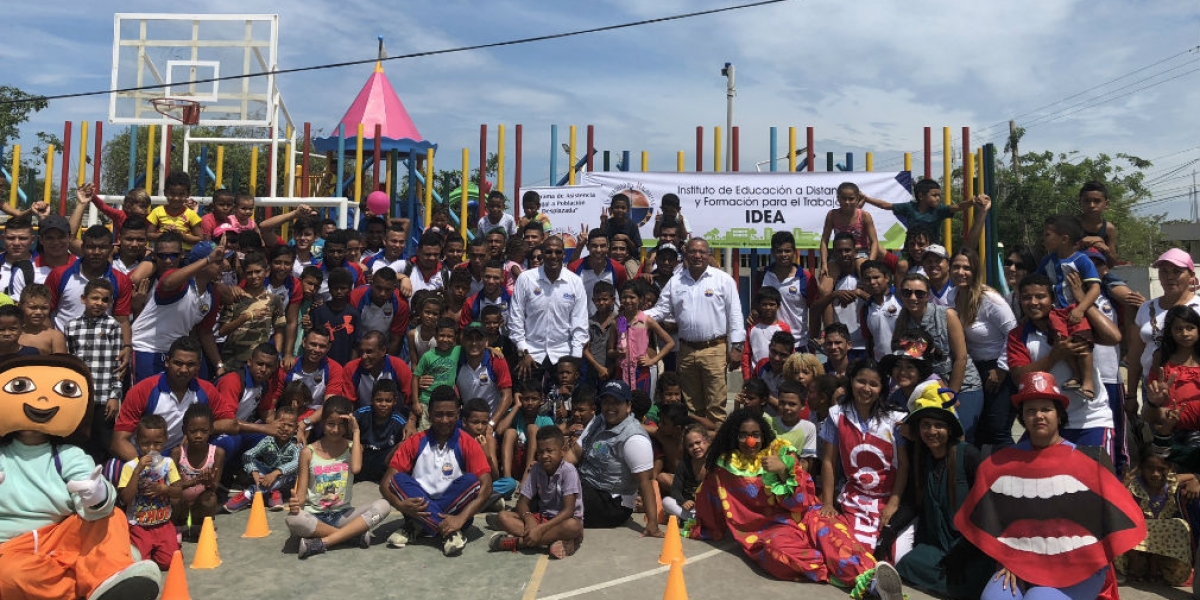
(808,139)
(375,171)
(591,145)
(66,169)
(928,154)
(96,157)
(699,149)
(517,176)
(482,172)
(736,154)
(304,189)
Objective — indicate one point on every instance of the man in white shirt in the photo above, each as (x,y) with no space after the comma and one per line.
(548,317)
(703,302)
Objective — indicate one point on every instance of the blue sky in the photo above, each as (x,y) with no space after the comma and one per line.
(867,75)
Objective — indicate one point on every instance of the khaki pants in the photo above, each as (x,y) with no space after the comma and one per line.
(702,380)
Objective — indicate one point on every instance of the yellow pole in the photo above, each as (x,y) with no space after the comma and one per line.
(49,183)
(429,188)
(254,170)
(969,188)
(220,181)
(16,173)
(645,161)
(83,148)
(983,232)
(571,158)
(791,150)
(679,161)
(358,175)
(151,131)
(499,162)
(716,149)
(870,161)
(908,161)
(947,185)
(466,174)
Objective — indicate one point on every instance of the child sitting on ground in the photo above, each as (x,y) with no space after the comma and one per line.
(790,426)
(320,513)
(39,331)
(555,484)
(476,417)
(381,429)
(520,425)
(272,463)
(200,467)
(1165,555)
(690,471)
(147,487)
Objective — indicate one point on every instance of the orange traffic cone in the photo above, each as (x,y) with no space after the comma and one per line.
(676,590)
(206,556)
(256,527)
(176,587)
(672,548)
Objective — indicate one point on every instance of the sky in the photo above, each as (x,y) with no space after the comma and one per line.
(1092,77)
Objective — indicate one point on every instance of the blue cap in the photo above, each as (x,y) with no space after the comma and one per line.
(617,389)
(201,251)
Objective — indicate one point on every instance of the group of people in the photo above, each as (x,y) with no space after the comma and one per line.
(560,387)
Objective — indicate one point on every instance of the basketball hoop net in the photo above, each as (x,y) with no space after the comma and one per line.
(179,109)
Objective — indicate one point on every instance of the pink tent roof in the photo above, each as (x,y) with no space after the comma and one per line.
(377,103)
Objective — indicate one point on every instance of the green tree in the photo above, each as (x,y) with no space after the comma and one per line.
(1046,183)
(16,106)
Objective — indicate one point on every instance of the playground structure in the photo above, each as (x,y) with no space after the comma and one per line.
(376,134)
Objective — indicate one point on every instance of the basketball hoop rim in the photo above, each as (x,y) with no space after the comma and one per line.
(190,109)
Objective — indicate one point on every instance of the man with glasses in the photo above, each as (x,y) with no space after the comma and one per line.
(548,317)
(703,302)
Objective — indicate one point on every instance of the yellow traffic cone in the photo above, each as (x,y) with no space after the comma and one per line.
(672,548)
(256,526)
(676,590)
(176,587)
(206,556)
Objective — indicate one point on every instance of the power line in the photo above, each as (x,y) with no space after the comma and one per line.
(352,63)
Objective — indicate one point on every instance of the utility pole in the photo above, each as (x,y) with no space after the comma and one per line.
(1012,142)
(730,92)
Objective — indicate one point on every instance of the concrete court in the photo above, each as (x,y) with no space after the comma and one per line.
(611,564)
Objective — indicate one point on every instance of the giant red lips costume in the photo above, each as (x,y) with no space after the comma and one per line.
(1052,516)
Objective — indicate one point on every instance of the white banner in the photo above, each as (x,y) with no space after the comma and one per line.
(730,210)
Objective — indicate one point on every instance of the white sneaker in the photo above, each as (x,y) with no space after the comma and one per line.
(888,585)
(454,544)
(402,536)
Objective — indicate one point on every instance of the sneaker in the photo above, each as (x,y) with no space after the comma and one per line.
(311,546)
(275,501)
(238,502)
(403,536)
(492,520)
(454,544)
(562,549)
(887,582)
(501,541)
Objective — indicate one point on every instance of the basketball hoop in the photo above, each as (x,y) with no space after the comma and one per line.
(179,109)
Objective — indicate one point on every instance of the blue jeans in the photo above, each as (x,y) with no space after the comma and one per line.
(462,491)
(970,407)
(1087,589)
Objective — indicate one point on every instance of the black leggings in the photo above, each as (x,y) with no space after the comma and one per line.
(602,510)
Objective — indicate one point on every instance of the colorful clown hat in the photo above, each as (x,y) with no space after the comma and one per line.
(930,399)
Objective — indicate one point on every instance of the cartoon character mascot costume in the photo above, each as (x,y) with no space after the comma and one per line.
(60,535)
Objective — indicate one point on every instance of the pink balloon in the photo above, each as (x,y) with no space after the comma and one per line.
(377,203)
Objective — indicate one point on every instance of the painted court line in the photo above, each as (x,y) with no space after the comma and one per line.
(535,580)
(615,582)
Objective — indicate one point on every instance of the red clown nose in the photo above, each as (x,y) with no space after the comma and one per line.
(751,442)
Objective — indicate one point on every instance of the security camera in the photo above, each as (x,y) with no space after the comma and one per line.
(725,69)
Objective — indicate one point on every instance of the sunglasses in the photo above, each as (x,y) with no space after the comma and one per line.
(1013,263)
(918,294)
(168,255)
(552,252)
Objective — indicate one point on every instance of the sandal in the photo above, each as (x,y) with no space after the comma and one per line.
(1072,384)
(562,549)
(1087,393)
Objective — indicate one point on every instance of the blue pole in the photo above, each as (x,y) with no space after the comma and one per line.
(774,144)
(849,161)
(133,141)
(625,160)
(553,153)
(202,179)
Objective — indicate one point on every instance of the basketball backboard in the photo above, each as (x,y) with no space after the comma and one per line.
(183,53)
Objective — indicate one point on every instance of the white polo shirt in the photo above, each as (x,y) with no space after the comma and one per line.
(704,308)
(171,314)
(880,321)
(549,318)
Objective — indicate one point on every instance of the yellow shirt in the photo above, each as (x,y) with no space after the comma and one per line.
(182,223)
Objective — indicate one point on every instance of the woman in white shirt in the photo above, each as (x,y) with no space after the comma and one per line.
(986,320)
